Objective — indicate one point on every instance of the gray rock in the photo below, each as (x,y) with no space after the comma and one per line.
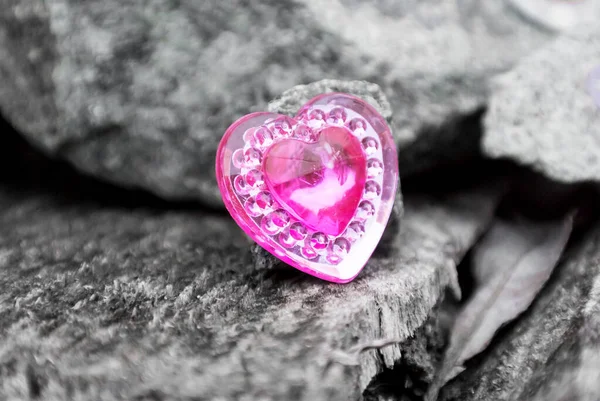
(552,352)
(111,303)
(543,113)
(293,99)
(558,16)
(140,94)
(434,60)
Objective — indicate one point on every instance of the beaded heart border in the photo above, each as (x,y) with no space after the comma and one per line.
(247,197)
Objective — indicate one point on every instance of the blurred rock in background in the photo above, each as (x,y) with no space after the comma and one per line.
(139,94)
(545,113)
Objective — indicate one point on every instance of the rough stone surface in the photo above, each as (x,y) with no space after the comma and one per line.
(140,94)
(552,352)
(293,99)
(433,59)
(543,113)
(105,302)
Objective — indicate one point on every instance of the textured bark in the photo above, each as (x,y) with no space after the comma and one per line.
(411,375)
(111,303)
(546,113)
(552,352)
(140,93)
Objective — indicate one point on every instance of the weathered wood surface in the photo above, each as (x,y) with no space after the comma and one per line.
(102,302)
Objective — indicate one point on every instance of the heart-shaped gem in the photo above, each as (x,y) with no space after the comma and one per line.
(318,183)
(317,190)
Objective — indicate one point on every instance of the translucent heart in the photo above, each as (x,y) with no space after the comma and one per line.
(316,190)
(319,183)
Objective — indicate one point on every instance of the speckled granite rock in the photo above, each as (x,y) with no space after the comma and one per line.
(111,303)
(552,353)
(543,113)
(140,94)
(290,101)
(433,59)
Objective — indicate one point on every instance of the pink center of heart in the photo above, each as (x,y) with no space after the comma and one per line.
(319,183)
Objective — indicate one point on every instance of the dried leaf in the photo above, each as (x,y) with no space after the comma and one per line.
(511,265)
(504,245)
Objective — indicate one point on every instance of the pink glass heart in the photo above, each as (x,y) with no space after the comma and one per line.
(318,183)
(316,190)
